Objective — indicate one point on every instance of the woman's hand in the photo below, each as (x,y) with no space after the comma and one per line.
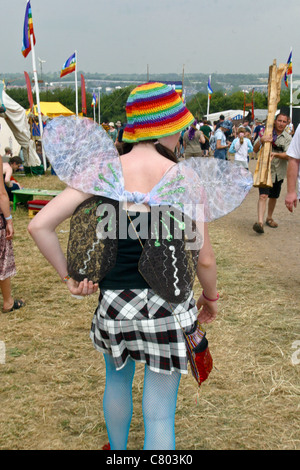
(207,310)
(84,287)
(9,230)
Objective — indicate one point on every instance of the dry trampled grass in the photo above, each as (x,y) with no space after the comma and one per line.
(52,381)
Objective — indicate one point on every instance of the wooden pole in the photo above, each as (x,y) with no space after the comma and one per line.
(262,175)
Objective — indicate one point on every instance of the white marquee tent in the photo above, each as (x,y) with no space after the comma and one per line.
(230,114)
(238,114)
(7,139)
(16,119)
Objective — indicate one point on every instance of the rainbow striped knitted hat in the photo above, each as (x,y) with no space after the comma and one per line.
(155,110)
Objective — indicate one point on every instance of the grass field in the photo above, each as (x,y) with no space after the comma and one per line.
(52,381)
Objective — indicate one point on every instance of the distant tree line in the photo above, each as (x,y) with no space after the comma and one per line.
(221,101)
(112,106)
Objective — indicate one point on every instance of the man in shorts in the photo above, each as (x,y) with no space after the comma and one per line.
(280,143)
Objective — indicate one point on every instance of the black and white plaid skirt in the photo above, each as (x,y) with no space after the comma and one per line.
(141,325)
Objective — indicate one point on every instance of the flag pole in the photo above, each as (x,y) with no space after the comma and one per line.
(207,107)
(208,99)
(76,84)
(291,94)
(37,97)
(99,104)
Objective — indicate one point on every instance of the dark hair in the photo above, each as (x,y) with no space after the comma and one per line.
(161,149)
(16,160)
(282,114)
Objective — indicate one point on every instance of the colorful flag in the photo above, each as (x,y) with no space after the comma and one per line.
(29,91)
(27,31)
(94,100)
(177,87)
(69,66)
(209,88)
(289,69)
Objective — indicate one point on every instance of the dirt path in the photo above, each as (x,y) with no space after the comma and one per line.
(279,248)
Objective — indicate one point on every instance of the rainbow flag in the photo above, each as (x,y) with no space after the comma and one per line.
(178,87)
(27,31)
(69,66)
(94,100)
(289,69)
(209,89)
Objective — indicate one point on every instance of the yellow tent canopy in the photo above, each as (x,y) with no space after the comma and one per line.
(51,109)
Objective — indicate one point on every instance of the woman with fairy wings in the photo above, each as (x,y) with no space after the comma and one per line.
(145,276)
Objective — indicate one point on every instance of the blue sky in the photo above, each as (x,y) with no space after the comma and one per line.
(123,36)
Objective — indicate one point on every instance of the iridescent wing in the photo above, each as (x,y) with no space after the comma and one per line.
(84,156)
(204,188)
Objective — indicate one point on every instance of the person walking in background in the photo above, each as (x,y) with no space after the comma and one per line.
(112,132)
(192,140)
(280,143)
(220,121)
(241,147)
(221,145)
(206,129)
(119,138)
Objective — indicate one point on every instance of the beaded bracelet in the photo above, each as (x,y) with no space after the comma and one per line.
(210,300)
(66,278)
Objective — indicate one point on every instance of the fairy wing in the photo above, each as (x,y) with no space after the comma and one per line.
(204,188)
(84,156)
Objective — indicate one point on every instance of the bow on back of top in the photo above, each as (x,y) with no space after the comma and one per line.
(85,158)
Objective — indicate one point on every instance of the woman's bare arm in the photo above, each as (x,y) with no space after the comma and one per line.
(207,275)
(42,229)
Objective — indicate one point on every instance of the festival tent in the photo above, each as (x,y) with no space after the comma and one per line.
(261,114)
(229,114)
(51,109)
(7,139)
(238,114)
(16,119)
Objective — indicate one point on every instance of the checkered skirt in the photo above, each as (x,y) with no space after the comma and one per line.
(139,324)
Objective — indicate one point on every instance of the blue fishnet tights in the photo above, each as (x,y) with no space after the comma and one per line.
(159,405)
